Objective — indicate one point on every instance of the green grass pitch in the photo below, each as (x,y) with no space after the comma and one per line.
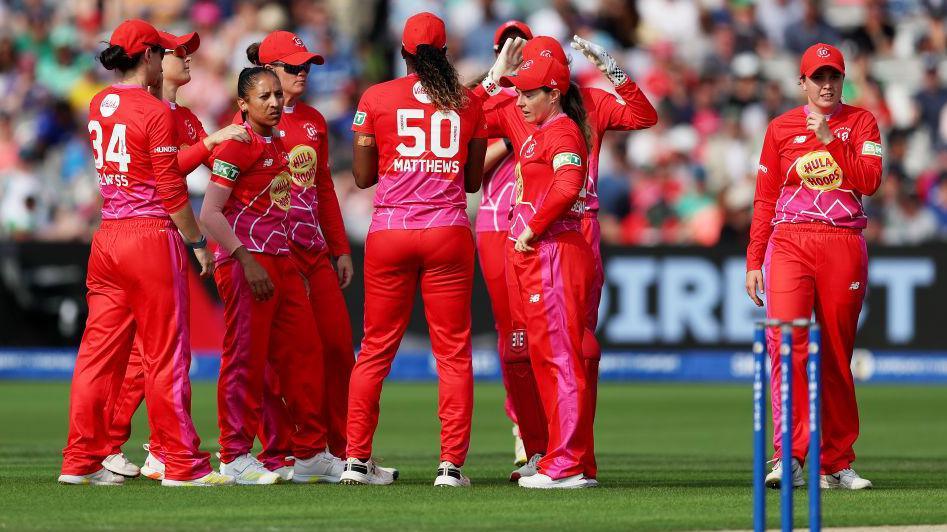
(671,456)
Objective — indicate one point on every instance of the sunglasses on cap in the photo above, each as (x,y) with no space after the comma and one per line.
(294,70)
(180,52)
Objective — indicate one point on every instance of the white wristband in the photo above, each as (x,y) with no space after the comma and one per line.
(492,87)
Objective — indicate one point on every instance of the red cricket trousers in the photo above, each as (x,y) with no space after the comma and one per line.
(816,266)
(130,396)
(335,332)
(280,331)
(551,287)
(137,283)
(523,404)
(441,259)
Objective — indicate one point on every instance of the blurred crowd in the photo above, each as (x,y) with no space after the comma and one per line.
(716,70)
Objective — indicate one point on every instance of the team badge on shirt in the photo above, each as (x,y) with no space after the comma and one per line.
(529,148)
(420,94)
(279,191)
(819,171)
(566,159)
(311,131)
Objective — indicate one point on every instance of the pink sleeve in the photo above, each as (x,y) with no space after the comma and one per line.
(213,219)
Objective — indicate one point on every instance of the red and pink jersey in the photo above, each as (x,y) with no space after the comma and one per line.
(550,181)
(189,135)
(802,180)
(496,200)
(260,199)
(132,136)
(628,110)
(421,155)
(315,219)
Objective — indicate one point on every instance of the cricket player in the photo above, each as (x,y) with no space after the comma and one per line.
(806,243)
(421,139)
(136,276)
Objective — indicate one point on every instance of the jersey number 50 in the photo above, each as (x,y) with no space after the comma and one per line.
(116,152)
(420,136)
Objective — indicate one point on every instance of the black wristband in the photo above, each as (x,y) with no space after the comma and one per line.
(200,244)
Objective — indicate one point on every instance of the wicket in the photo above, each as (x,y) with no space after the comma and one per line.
(813,368)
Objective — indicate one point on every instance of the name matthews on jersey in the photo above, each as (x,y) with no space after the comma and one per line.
(440,166)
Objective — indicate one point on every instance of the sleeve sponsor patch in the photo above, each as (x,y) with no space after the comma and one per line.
(871,148)
(225,170)
(565,159)
(359,118)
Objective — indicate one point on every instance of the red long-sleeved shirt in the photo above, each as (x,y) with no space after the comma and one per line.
(802,180)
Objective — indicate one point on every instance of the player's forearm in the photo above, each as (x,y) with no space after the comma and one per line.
(638,112)
(192,157)
(860,172)
(562,195)
(214,221)
(330,219)
(187,224)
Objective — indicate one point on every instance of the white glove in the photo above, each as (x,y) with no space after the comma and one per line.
(508,60)
(601,59)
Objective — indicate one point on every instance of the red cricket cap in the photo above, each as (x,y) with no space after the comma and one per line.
(511,25)
(543,71)
(423,28)
(544,46)
(191,41)
(135,36)
(820,55)
(286,47)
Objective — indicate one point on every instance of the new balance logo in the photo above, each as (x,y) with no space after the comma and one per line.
(854,286)
(800,139)
(534,298)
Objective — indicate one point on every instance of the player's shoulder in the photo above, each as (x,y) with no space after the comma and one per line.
(789,118)
(564,134)
(309,112)
(857,114)
(386,89)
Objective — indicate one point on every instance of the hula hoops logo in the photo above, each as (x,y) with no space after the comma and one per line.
(302,159)
(819,171)
(518,191)
(279,191)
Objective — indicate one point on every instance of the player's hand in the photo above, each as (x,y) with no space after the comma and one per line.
(260,283)
(345,269)
(600,58)
(206,258)
(522,241)
(232,132)
(754,286)
(508,60)
(818,124)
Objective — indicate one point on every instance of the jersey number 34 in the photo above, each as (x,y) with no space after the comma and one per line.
(116,152)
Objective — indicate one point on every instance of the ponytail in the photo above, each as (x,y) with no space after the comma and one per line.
(115,58)
(574,108)
(438,77)
(253,54)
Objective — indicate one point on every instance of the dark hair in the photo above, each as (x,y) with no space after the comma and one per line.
(253,54)
(573,107)
(248,77)
(437,76)
(115,58)
(510,33)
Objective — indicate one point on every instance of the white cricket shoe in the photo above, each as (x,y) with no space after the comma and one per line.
(519,449)
(102,477)
(527,470)
(775,477)
(545,482)
(323,467)
(118,464)
(450,475)
(359,472)
(210,480)
(152,468)
(846,479)
(285,473)
(248,471)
